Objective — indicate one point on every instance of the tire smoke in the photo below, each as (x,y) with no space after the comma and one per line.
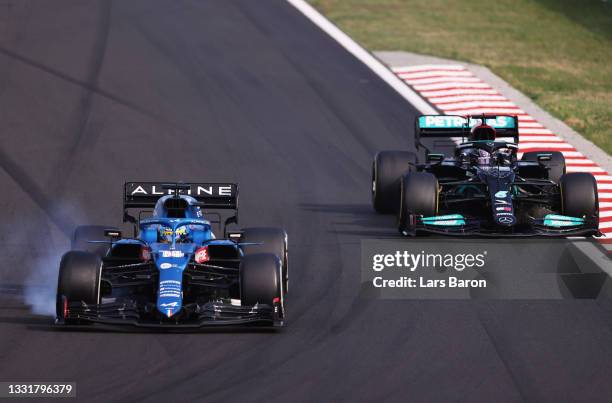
(41,284)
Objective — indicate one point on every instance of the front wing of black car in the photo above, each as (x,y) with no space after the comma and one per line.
(474,227)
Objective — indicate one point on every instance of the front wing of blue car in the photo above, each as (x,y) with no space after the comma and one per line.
(194,315)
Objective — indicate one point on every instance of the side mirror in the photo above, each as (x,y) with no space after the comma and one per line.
(435,157)
(235,236)
(544,157)
(112,233)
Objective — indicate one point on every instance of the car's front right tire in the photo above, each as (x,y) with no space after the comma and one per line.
(419,196)
(78,280)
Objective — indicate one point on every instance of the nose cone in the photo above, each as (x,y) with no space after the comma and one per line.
(503,207)
(506,220)
(170,293)
(169,308)
(171,263)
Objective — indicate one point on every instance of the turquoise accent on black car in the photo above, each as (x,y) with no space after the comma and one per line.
(556,220)
(445,220)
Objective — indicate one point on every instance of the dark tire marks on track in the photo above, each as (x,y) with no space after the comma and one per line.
(95,66)
(82,116)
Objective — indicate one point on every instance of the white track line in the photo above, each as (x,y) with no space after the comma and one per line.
(451,86)
(363,55)
(605,226)
(427,67)
(535,131)
(466,91)
(499,111)
(547,139)
(465,98)
(440,80)
(434,74)
(475,104)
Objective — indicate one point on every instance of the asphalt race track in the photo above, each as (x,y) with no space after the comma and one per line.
(92,95)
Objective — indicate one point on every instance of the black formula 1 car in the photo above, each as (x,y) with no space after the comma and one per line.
(174,271)
(483,189)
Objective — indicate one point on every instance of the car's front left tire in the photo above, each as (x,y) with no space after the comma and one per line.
(260,280)
(269,240)
(579,195)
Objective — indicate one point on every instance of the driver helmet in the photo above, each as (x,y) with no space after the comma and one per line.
(482,132)
(165,234)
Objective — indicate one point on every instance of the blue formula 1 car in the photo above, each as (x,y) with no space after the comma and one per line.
(483,189)
(174,271)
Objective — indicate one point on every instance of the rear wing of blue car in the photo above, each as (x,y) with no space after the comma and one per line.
(209,195)
(447,126)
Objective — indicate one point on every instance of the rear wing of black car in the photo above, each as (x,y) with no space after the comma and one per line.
(213,196)
(447,126)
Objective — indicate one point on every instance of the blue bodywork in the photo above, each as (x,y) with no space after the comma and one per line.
(172,257)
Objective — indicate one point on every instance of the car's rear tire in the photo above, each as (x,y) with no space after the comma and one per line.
(387,171)
(419,194)
(579,195)
(78,279)
(273,240)
(260,280)
(556,164)
(84,233)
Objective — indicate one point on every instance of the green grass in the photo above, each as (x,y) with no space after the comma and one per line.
(558,52)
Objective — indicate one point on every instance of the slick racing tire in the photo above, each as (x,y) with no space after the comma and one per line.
(556,164)
(260,280)
(418,196)
(78,280)
(579,195)
(84,233)
(271,240)
(387,171)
